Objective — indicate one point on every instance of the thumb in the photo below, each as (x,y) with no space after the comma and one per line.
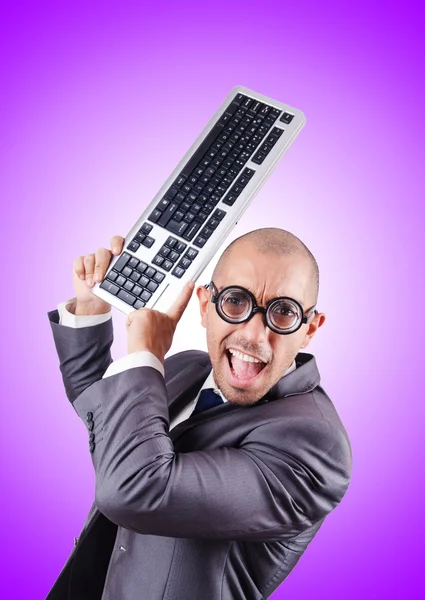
(180,304)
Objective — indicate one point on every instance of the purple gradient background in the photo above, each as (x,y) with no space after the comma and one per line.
(88,98)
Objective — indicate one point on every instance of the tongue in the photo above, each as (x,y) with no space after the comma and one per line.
(243,369)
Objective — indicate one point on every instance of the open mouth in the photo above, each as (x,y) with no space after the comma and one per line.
(243,369)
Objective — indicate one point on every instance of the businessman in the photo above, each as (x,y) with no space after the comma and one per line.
(215,470)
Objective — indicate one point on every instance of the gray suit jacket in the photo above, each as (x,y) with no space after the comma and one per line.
(222,506)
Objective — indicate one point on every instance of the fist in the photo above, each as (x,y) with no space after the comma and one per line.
(90,269)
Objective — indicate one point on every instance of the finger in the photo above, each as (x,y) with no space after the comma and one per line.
(102,260)
(89,261)
(179,306)
(79,268)
(117,242)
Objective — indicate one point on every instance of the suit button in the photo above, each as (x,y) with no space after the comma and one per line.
(91,437)
(90,425)
(89,416)
(92,445)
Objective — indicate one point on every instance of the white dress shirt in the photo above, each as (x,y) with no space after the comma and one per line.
(143,358)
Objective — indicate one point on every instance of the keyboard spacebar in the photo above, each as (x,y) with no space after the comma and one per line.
(208,141)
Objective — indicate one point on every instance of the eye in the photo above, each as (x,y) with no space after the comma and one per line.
(234,301)
(285,311)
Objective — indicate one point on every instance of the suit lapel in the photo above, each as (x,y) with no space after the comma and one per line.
(184,386)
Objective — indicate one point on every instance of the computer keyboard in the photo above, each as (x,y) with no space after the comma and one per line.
(195,210)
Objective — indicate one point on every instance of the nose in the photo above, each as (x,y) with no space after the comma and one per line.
(255,329)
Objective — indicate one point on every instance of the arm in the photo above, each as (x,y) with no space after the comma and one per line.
(83,343)
(284,477)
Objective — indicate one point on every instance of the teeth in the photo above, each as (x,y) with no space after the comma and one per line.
(244,357)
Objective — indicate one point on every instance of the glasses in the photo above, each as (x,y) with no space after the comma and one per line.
(235,304)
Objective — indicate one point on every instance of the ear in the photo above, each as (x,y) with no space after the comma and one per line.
(203,297)
(315,323)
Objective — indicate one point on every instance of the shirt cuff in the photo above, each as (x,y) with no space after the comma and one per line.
(69,320)
(143,358)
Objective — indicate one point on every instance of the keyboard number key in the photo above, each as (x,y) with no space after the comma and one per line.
(178,272)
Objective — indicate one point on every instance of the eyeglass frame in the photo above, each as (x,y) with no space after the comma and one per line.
(256,308)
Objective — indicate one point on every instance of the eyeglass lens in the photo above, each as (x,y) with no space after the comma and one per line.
(237,305)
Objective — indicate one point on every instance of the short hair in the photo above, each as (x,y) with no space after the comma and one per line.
(281,243)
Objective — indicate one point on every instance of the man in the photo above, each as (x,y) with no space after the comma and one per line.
(204,495)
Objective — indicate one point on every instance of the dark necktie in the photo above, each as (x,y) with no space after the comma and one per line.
(207,399)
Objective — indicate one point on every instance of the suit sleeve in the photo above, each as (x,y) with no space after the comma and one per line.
(84,352)
(83,345)
(284,477)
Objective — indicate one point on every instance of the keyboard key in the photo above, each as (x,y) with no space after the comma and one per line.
(179,181)
(126,271)
(127,297)
(133,246)
(146,228)
(120,280)
(165,251)
(207,232)
(201,217)
(141,267)
(172,192)
(167,264)
(112,275)
(191,253)
(158,260)
(139,237)
(155,215)
(173,256)
(192,231)
(110,287)
(150,272)
(128,285)
(159,276)
(286,118)
(139,304)
(152,286)
(133,262)
(148,241)
(170,241)
(230,199)
(200,241)
(213,222)
(184,262)
(135,276)
(178,228)
(163,204)
(219,214)
(143,281)
(180,246)
(146,295)
(137,290)
(178,272)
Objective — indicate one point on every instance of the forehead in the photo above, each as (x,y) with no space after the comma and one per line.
(265,275)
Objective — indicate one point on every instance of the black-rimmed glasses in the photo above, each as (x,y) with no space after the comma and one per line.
(235,304)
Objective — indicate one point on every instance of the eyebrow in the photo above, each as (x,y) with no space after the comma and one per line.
(221,287)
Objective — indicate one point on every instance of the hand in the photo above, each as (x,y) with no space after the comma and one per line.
(152,330)
(92,268)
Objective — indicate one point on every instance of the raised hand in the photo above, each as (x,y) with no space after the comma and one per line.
(152,330)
